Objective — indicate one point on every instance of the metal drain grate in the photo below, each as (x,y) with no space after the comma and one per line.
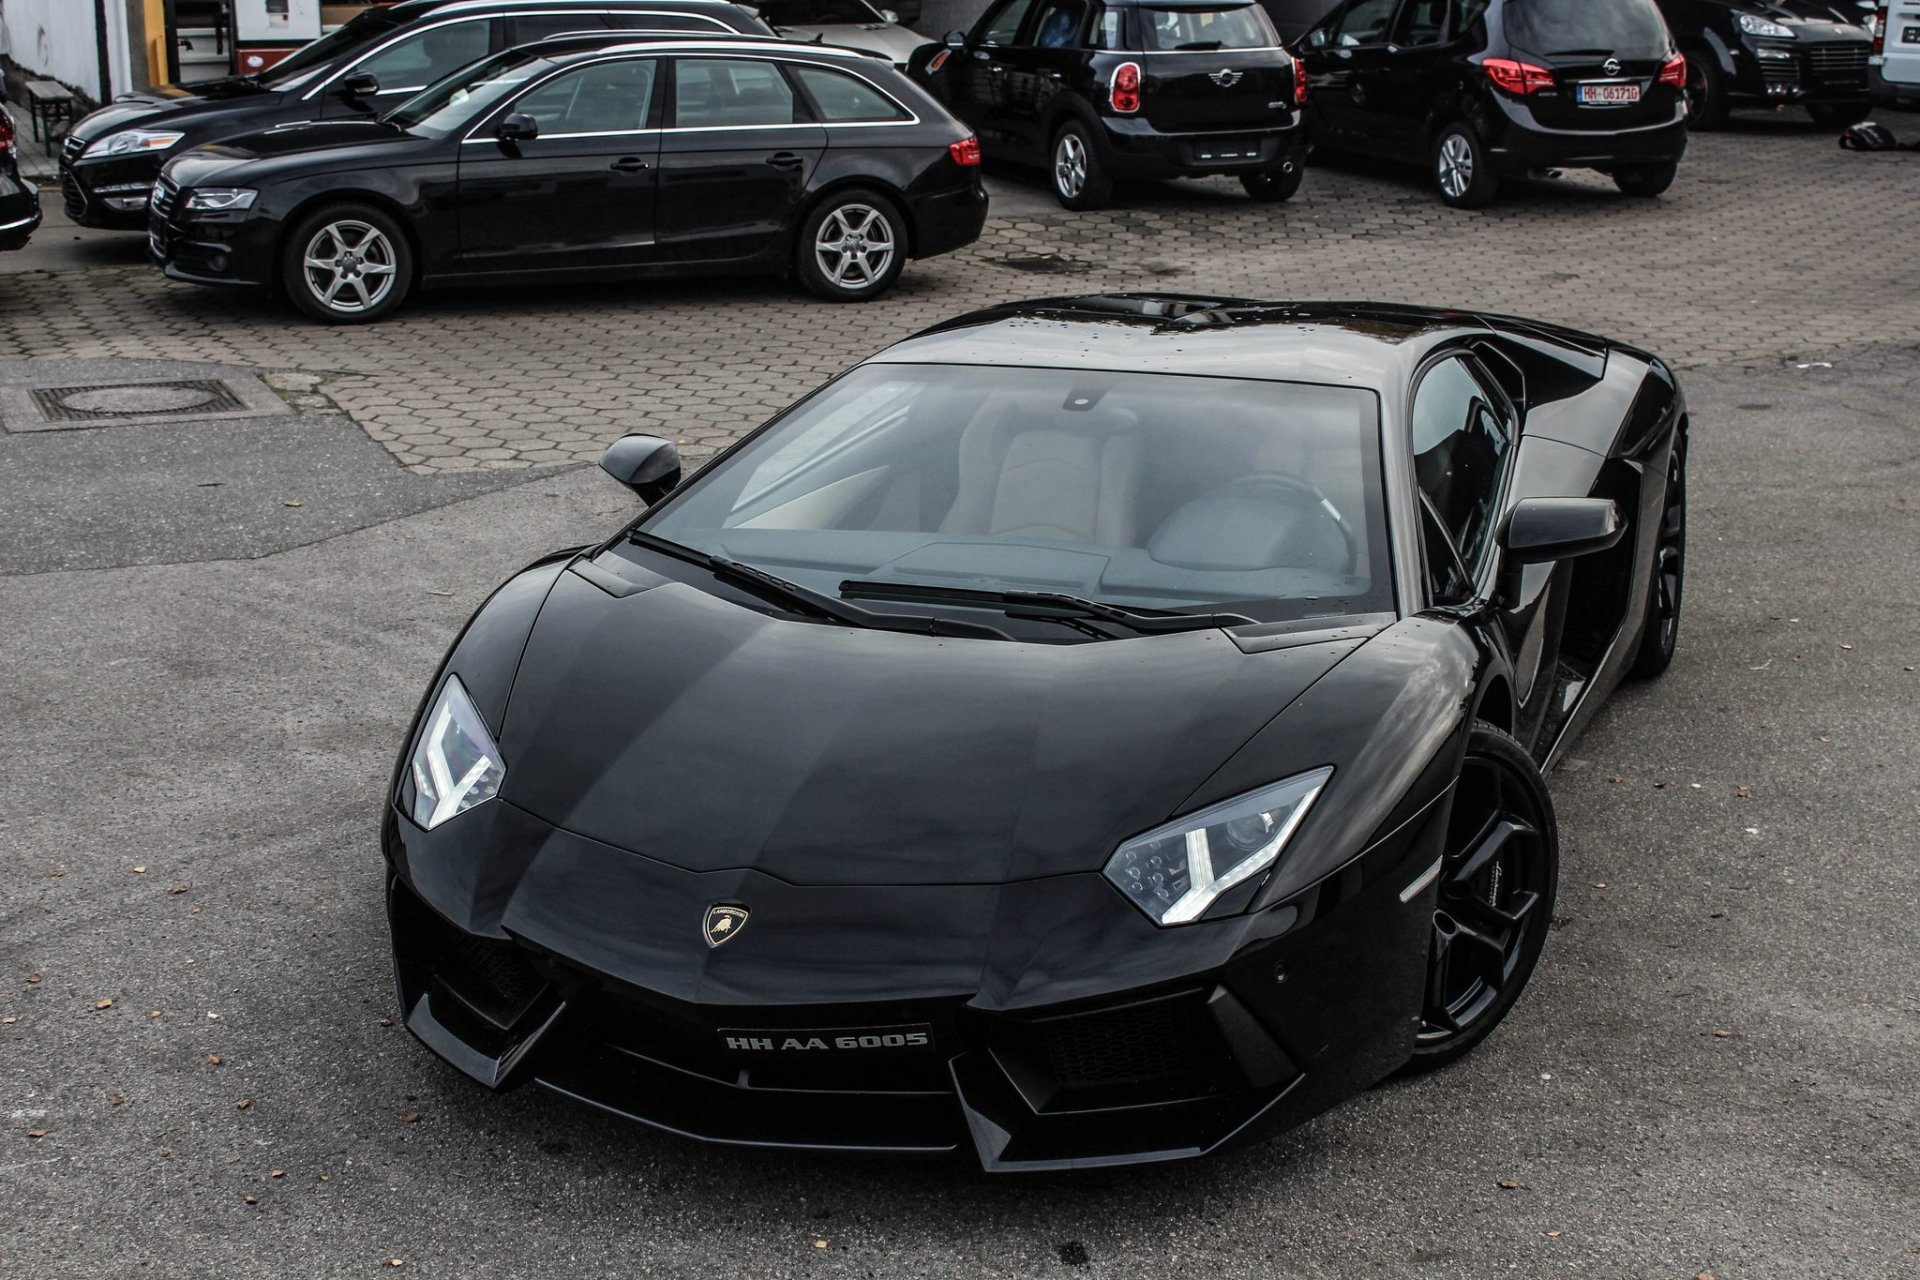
(135,399)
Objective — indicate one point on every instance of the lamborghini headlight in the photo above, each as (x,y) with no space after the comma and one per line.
(1176,872)
(130,141)
(455,764)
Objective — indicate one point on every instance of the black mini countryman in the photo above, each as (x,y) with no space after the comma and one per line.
(1096,90)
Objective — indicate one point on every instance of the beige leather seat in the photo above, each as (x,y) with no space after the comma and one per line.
(1031,469)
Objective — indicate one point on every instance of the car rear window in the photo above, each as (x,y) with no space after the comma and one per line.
(1628,28)
(1197,30)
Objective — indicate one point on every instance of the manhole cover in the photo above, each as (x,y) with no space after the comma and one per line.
(1047,262)
(81,404)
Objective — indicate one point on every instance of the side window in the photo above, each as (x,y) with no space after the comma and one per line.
(1003,24)
(1421,22)
(1060,24)
(841,98)
(1471,11)
(606,97)
(731,93)
(416,61)
(1461,446)
(1365,23)
(529,28)
(1107,31)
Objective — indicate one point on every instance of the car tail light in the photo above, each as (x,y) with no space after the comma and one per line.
(1674,71)
(6,132)
(965,152)
(1125,94)
(1517,77)
(1880,30)
(1299,83)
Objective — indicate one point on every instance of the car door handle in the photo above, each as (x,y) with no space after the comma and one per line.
(785,160)
(629,164)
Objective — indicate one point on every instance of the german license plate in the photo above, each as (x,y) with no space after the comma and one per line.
(1227,149)
(1608,95)
(829,1042)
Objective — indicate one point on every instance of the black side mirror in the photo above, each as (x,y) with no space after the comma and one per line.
(1546,529)
(361,84)
(517,126)
(647,465)
(955,40)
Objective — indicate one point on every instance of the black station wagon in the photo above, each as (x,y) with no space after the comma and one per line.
(1098,90)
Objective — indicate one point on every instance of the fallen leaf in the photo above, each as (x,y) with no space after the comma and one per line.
(8,1021)
(432,592)
(36,1133)
(1763,666)
(1704,1275)
(1744,793)
(411,1117)
(1553,1235)
(32,979)
(819,1244)
(153,1013)
(251,1199)
(1694,785)
(1847,647)
(213,1059)
(176,889)
(1827,737)
(386,1022)
(115,1100)
(1722,1034)
(1659,786)
(1508,1184)
(292,502)
(103,1004)
(278,1173)
(194,909)
(1616,778)
(245,1104)
(396,1262)
(139,871)
(1599,884)
(323,1177)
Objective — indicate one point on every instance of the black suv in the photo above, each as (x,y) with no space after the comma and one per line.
(1481,89)
(1102,89)
(110,160)
(1769,53)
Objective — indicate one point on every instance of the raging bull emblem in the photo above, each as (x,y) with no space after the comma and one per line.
(724,923)
(1226,77)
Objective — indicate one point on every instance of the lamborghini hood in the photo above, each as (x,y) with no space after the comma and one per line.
(709,736)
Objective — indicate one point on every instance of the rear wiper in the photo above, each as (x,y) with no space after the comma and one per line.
(1050,604)
(1196,46)
(1579,53)
(808,601)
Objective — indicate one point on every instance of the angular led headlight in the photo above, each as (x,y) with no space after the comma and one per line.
(456,764)
(1176,872)
(221,199)
(129,141)
(1755,25)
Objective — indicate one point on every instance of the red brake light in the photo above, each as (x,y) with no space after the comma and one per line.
(1299,83)
(1517,77)
(966,152)
(1674,71)
(1124,97)
(6,131)
(1880,31)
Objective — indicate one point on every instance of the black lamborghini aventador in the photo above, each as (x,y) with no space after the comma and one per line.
(1090,731)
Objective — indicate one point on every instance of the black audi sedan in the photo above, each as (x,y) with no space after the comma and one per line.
(109,162)
(1087,732)
(1103,90)
(1480,90)
(19,198)
(1772,53)
(556,162)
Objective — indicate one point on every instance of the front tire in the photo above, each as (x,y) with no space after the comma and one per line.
(1660,635)
(347,264)
(1278,184)
(1707,105)
(1645,181)
(1075,170)
(1840,114)
(852,247)
(1500,868)
(1463,170)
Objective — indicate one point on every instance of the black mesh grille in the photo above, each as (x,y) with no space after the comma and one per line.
(75,199)
(70,149)
(1157,1040)
(497,979)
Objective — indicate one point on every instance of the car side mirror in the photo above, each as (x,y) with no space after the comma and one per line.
(955,40)
(517,126)
(890,16)
(361,84)
(1541,530)
(647,465)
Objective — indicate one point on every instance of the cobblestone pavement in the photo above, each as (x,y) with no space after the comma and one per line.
(1773,241)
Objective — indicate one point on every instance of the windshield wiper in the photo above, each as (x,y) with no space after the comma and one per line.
(1048,605)
(1197,46)
(808,601)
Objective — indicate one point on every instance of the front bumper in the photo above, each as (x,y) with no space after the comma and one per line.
(207,248)
(108,194)
(1061,1028)
(19,213)
(1800,72)
(1136,150)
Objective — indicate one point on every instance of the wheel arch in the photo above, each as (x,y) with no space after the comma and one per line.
(374,199)
(847,182)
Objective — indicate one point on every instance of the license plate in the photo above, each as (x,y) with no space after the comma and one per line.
(828,1042)
(1229,149)
(1608,95)
(1910,35)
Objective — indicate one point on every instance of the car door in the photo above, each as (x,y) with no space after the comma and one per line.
(1901,43)
(579,195)
(408,63)
(1402,91)
(1344,56)
(1038,64)
(735,159)
(980,73)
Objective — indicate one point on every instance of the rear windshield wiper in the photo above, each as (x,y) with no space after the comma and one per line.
(808,601)
(1045,604)
(1198,46)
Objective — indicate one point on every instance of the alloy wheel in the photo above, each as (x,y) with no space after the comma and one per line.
(855,246)
(1496,891)
(1456,165)
(1070,165)
(349,266)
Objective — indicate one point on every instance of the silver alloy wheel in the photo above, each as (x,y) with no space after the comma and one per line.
(1456,165)
(854,246)
(349,266)
(1070,165)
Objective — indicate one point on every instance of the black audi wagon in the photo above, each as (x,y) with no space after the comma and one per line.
(584,160)
(1479,90)
(1099,90)
(110,160)
(1773,53)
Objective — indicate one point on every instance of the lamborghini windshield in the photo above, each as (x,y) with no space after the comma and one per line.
(1147,491)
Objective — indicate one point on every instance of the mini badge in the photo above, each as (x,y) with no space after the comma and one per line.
(724,923)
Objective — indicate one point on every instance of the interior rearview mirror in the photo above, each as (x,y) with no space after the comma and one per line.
(1546,529)
(361,84)
(955,40)
(517,126)
(647,465)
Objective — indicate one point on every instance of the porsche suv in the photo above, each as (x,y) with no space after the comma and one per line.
(1773,53)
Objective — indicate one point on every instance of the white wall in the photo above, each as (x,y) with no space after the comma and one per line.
(55,40)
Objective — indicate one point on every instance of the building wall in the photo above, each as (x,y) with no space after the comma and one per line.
(56,40)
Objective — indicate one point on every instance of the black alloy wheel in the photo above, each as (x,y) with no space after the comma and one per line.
(1462,169)
(1499,871)
(1707,105)
(347,264)
(1074,168)
(1646,180)
(1278,184)
(1662,634)
(852,247)
(1839,114)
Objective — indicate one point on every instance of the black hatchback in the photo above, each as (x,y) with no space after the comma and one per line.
(1479,90)
(372,64)
(587,161)
(1097,90)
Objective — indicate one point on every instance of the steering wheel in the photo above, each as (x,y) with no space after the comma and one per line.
(1279,483)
